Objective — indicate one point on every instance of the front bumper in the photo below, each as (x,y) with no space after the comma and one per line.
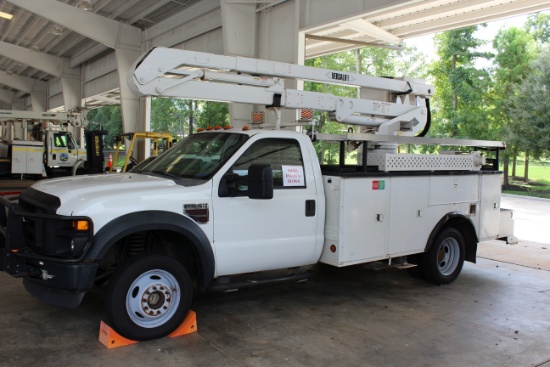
(47,253)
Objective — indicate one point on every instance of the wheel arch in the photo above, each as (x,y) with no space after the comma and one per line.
(464,225)
(121,227)
(79,164)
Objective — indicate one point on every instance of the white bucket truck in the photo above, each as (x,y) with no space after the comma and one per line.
(228,208)
(34,143)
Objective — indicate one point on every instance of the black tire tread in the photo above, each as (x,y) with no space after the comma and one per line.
(123,277)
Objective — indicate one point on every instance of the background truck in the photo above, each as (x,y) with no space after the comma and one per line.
(228,208)
(37,143)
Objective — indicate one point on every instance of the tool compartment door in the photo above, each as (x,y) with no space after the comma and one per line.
(411,218)
(357,219)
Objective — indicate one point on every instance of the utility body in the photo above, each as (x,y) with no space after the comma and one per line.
(228,208)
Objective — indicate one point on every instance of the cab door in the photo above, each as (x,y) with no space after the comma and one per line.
(62,150)
(262,234)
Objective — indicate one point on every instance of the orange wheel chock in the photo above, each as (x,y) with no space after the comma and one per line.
(111,339)
(188,326)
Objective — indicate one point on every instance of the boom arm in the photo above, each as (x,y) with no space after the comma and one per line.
(399,106)
(76,119)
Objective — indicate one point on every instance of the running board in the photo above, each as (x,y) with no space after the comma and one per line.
(227,285)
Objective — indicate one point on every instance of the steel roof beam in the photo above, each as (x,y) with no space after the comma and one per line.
(36,88)
(47,63)
(107,31)
(7,96)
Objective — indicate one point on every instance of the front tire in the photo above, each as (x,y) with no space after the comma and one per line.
(148,296)
(444,260)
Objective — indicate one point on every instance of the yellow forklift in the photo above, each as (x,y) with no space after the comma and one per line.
(159,141)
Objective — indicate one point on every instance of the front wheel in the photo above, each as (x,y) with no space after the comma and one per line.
(148,296)
(444,260)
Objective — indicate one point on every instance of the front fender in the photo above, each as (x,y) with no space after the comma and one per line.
(127,224)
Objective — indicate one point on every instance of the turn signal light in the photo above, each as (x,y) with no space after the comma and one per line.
(81,225)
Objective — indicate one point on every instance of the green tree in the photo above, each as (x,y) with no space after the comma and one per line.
(530,109)
(163,119)
(211,114)
(538,25)
(459,105)
(106,118)
(515,50)
(166,114)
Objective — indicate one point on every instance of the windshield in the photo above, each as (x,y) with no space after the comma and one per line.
(63,140)
(198,156)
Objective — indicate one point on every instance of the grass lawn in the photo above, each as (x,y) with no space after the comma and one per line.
(539,180)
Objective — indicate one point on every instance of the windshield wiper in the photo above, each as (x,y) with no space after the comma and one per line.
(164,173)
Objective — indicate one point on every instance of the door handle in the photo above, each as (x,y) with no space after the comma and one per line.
(310,208)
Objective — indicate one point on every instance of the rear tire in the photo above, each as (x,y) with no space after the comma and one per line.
(444,260)
(148,296)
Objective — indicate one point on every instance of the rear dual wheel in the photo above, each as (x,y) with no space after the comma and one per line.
(148,296)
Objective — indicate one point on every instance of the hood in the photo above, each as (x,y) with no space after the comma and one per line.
(106,197)
(81,195)
(68,188)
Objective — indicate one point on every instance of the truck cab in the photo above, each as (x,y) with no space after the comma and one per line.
(61,149)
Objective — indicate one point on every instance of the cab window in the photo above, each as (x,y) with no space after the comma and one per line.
(60,140)
(284,157)
(63,140)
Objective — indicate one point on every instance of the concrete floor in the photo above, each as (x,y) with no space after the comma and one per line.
(495,314)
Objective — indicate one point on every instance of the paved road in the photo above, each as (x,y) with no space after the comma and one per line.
(531,217)
(531,227)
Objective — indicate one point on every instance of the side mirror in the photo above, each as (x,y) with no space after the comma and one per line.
(260,181)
